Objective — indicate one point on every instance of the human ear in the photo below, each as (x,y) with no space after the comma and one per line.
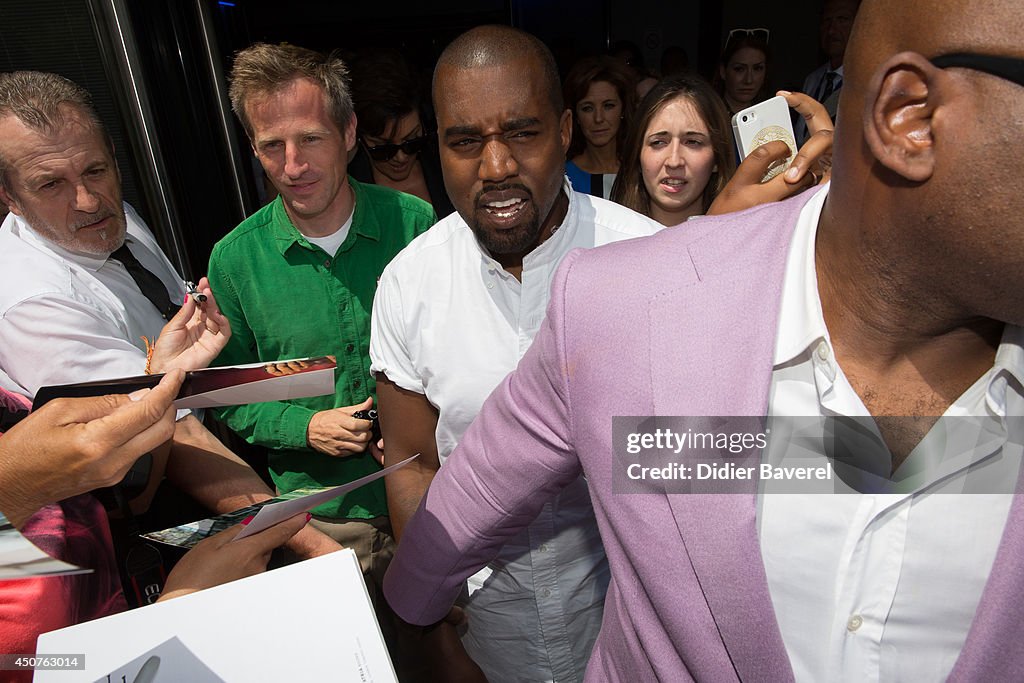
(350,133)
(900,105)
(8,199)
(565,129)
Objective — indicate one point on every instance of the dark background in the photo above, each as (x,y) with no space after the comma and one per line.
(156,70)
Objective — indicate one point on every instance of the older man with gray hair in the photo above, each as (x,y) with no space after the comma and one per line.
(86,280)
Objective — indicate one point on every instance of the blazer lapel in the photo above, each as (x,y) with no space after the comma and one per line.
(712,343)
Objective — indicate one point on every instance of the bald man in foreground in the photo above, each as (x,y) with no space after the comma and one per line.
(896,291)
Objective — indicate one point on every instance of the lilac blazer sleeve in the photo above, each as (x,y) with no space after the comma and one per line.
(515,456)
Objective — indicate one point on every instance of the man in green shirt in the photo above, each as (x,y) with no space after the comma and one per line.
(297,278)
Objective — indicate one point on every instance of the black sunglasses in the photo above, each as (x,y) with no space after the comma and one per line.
(1009,68)
(388,150)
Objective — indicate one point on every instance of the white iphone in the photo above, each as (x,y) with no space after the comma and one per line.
(762,123)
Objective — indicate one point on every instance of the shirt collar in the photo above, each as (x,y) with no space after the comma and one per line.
(20,227)
(550,248)
(364,222)
(801,322)
(1009,363)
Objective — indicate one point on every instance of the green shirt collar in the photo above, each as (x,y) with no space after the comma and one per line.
(364,223)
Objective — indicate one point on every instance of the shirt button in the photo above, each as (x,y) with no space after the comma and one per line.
(822,351)
(854,623)
(350,348)
(343,305)
(490,285)
(546,593)
(543,547)
(327,263)
(357,383)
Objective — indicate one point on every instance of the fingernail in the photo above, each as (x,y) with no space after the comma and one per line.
(308,517)
(247,519)
(785,92)
(793,173)
(137,395)
(185,300)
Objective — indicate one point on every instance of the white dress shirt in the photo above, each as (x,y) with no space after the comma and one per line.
(883,586)
(68,317)
(450,323)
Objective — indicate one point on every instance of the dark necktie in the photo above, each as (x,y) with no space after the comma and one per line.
(149,284)
(830,85)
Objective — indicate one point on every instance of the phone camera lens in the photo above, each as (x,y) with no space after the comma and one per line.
(745,118)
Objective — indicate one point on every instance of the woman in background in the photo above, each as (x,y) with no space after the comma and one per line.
(599,91)
(743,68)
(678,155)
(397,144)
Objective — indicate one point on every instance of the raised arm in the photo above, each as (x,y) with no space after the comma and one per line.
(194,336)
(811,165)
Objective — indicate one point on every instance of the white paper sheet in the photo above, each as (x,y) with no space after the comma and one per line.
(271,514)
(310,621)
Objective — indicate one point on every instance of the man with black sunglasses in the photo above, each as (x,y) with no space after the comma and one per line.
(298,279)
(888,304)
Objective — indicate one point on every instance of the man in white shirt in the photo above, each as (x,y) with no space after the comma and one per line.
(457,309)
(896,292)
(69,311)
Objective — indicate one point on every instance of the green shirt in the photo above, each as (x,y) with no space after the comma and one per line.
(287,298)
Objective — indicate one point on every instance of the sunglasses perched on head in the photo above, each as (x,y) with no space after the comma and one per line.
(1008,68)
(388,150)
(756,33)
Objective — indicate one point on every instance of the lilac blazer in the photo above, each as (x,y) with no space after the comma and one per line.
(680,323)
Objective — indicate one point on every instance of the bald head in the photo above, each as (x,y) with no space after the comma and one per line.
(886,28)
(487,46)
(929,27)
(928,157)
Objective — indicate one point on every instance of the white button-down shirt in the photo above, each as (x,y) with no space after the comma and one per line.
(68,317)
(450,323)
(884,586)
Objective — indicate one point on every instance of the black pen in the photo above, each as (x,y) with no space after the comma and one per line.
(192,291)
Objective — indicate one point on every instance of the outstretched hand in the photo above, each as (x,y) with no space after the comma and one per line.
(220,559)
(194,336)
(74,445)
(812,165)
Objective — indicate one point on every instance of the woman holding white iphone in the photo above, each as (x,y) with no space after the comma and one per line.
(678,160)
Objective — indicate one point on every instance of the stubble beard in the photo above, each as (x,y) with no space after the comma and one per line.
(520,239)
(68,239)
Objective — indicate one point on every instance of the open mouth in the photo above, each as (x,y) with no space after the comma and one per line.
(673,185)
(505,210)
